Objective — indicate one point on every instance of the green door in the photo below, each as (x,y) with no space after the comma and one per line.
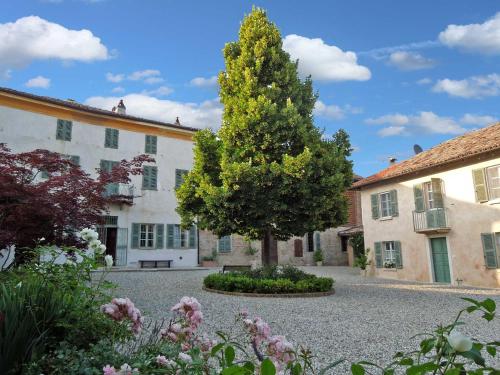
(440,260)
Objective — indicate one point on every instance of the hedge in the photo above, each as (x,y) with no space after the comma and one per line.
(235,282)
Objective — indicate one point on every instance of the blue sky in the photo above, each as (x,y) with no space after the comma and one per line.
(392,73)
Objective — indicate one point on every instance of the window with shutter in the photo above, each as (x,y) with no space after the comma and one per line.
(151,142)
(437,193)
(493,176)
(178,238)
(224,244)
(398,257)
(170,236)
(418,196)
(378,255)
(135,236)
(375,206)
(64,130)
(479,181)
(179,177)
(317,241)
(160,242)
(192,237)
(393,194)
(490,250)
(111,138)
(149,177)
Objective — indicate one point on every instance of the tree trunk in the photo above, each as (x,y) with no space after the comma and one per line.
(269,249)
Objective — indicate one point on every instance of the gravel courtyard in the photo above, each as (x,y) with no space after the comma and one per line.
(366,319)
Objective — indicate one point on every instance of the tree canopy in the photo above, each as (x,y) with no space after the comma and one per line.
(268,170)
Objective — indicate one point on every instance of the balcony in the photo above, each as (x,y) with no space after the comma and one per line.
(120,193)
(431,221)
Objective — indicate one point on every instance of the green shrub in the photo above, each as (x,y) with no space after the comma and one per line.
(318,256)
(290,280)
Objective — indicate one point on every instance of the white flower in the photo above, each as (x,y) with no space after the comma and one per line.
(88,234)
(459,342)
(95,245)
(108,259)
(185,358)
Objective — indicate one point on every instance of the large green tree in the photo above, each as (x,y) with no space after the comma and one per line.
(267,173)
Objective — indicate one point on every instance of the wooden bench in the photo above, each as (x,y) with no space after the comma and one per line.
(155,263)
(232,268)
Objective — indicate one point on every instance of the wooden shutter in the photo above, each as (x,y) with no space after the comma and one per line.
(489,249)
(147,147)
(479,180)
(68,125)
(298,246)
(153,178)
(397,254)
(105,166)
(115,138)
(418,194)
(151,141)
(437,192)
(179,177)
(60,129)
(107,138)
(170,236)
(379,260)
(160,238)
(192,237)
(393,194)
(135,235)
(375,206)
(317,241)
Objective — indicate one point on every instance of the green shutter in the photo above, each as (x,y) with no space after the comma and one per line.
(75,159)
(60,130)
(179,177)
(151,141)
(170,236)
(375,206)
(105,166)
(379,260)
(63,131)
(111,138)
(107,138)
(115,138)
(398,255)
(480,185)
(154,177)
(228,243)
(135,235)
(418,195)
(192,237)
(145,177)
(393,194)
(67,130)
(149,177)
(490,251)
(437,192)
(160,240)
(317,241)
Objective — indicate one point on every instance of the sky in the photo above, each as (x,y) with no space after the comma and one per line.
(391,73)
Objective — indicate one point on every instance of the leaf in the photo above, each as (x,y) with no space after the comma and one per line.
(330,366)
(357,369)
(471,300)
(406,362)
(489,305)
(216,348)
(427,345)
(491,350)
(422,369)
(296,369)
(230,354)
(267,367)
(453,371)
(475,355)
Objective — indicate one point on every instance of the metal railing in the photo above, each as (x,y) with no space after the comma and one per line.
(124,190)
(433,219)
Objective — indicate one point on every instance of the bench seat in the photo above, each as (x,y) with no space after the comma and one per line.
(148,263)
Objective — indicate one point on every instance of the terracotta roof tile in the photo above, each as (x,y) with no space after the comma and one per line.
(479,142)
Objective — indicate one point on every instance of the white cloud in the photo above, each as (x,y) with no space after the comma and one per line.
(471,119)
(33,38)
(324,62)
(424,81)
(383,52)
(473,87)
(474,37)
(199,115)
(38,81)
(143,74)
(334,112)
(424,122)
(115,78)
(160,91)
(118,90)
(405,60)
(204,82)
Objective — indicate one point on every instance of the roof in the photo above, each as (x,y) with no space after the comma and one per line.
(482,142)
(86,108)
(352,230)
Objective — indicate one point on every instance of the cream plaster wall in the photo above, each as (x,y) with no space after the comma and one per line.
(26,131)
(467,220)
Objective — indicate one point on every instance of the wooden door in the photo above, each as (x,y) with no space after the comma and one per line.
(440,262)
(298,248)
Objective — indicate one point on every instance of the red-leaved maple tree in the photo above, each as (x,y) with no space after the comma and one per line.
(55,207)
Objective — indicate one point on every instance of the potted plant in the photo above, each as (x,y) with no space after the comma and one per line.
(362,262)
(209,260)
(318,257)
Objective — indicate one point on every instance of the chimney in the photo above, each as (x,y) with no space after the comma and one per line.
(392,160)
(121,109)
(177,122)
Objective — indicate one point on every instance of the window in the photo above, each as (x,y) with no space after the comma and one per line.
(149,177)
(384,204)
(224,244)
(178,238)
(179,177)
(388,254)
(429,196)
(75,159)
(493,174)
(63,131)
(317,241)
(344,241)
(111,138)
(310,242)
(151,142)
(147,236)
(491,249)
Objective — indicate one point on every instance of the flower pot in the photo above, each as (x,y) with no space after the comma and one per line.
(363,272)
(319,263)
(208,263)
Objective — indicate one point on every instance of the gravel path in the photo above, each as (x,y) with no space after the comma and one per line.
(367,318)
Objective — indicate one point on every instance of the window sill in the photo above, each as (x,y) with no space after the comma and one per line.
(494,201)
(385,218)
(389,269)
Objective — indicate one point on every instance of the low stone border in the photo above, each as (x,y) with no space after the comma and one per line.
(286,295)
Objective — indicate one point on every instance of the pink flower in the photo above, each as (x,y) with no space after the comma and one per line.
(123,308)
(259,330)
(163,361)
(108,370)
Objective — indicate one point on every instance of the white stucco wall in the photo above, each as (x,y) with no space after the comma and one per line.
(467,220)
(25,131)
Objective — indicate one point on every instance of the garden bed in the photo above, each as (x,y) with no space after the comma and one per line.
(270,281)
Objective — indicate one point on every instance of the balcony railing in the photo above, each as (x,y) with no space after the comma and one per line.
(120,193)
(431,221)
